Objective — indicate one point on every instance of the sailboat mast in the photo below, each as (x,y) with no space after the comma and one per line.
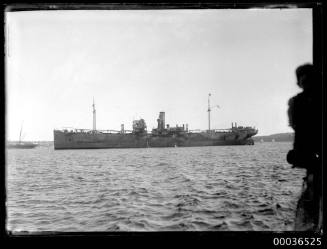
(209,110)
(94,116)
(20,133)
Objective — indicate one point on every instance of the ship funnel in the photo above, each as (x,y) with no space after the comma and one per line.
(162,118)
(161,121)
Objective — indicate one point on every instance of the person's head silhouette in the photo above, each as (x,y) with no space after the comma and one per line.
(306,77)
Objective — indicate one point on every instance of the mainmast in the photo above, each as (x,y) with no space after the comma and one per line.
(94,116)
(209,110)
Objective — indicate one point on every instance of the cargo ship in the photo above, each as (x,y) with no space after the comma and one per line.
(162,136)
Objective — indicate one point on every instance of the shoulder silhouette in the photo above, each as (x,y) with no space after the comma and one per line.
(304,114)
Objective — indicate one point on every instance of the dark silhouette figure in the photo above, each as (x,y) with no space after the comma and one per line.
(305,117)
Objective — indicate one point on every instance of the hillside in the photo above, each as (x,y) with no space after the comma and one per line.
(279,137)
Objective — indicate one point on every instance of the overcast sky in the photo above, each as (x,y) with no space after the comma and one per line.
(136,63)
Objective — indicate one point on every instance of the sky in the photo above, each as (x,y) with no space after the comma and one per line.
(136,63)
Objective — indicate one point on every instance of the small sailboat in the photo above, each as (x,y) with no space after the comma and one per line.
(20,144)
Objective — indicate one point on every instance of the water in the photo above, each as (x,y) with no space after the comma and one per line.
(223,188)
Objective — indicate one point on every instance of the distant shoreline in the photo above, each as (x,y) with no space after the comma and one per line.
(279,137)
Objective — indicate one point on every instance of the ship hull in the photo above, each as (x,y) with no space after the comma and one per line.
(80,140)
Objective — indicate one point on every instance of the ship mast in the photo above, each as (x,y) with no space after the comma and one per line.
(94,116)
(209,110)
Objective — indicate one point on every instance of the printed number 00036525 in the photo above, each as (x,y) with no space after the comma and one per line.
(297,241)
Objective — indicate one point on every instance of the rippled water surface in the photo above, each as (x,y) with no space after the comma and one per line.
(226,188)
